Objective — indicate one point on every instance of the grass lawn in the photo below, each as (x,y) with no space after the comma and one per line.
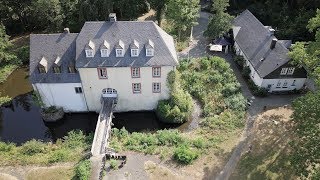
(270,146)
(51,173)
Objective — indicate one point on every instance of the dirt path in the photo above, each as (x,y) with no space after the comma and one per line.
(149,16)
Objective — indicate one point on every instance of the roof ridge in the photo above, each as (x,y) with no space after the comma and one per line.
(157,29)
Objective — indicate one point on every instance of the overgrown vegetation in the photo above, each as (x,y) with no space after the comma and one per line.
(69,149)
(114,164)
(178,108)
(212,82)
(5,100)
(83,170)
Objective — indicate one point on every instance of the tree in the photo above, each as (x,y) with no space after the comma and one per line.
(46,15)
(220,21)
(183,14)
(5,56)
(306,116)
(160,8)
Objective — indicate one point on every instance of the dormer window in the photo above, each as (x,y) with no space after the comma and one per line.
(43,65)
(134,46)
(104,49)
(57,65)
(71,69)
(149,52)
(119,49)
(134,52)
(90,49)
(57,69)
(104,53)
(149,48)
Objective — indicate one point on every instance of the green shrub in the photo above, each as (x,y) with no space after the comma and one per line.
(246,72)
(178,108)
(185,155)
(236,102)
(6,147)
(5,100)
(51,109)
(239,60)
(75,139)
(83,170)
(114,164)
(33,147)
(169,137)
(60,155)
(23,54)
(199,143)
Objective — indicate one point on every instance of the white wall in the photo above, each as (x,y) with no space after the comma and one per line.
(298,84)
(61,95)
(119,78)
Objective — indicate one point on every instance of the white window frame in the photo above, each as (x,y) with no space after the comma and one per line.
(136,88)
(102,73)
(135,72)
(285,84)
(42,69)
(72,69)
(294,83)
(156,71)
(284,71)
(134,52)
(156,87)
(118,54)
(149,52)
(290,71)
(104,52)
(89,53)
(278,84)
(78,90)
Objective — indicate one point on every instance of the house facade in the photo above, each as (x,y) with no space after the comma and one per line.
(265,55)
(125,59)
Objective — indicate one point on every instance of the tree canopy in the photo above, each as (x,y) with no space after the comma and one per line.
(5,55)
(220,21)
(306,116)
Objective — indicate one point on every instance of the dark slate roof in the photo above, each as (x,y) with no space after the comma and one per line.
(254,40)
(51,46)
(127,32)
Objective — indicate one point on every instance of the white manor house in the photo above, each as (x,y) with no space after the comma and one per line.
(125,59)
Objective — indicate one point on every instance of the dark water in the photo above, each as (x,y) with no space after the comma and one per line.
(139,121)
(21,120)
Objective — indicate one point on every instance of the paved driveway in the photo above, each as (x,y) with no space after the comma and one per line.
(199,42)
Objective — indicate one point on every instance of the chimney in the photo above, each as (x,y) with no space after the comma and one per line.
(271,30)
(66,30)
(273,43)
(112,17)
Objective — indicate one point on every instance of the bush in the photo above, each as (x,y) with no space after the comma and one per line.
(83,170)
(246,72)
(6,147)
(239,60)
(33,147)
(5,100)
(178,108)
(51,109)
(113,164)
(185,155)
(75,139)
(23,54)
(60,155)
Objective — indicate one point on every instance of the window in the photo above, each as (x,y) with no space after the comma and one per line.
(78,90)
(42,69)
(71,69)
(89,53)
(156,71)
(102,72)
(104,52)
(285,84)
(134,52)
(284,71)
(278,84)
(293,83)
(290,71)
(136,88)
(156,87)
(149,52)
(57,69)
(135,72)
(119,53)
